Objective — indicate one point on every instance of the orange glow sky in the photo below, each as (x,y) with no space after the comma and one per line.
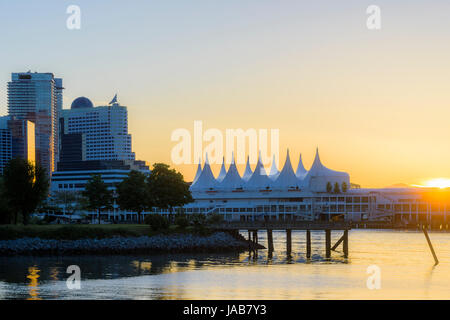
(376,103)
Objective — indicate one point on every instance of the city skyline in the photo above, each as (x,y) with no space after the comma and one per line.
(353,92)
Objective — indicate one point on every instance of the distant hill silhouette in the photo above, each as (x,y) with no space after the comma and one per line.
(399,185)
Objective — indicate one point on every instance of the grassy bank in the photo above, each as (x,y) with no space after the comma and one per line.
(72,232)
(90,231)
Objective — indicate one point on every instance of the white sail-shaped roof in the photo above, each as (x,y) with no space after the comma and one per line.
(318,176)
(301,171)
(274,172)
(248,171)
(259,179)
(287,178)
(232,179)
(318,169)
(199,171)
(222,172)
(206,179)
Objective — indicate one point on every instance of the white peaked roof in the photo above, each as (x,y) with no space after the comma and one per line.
(222,172)
(248,171)
(301,171)
(206,179)
(232,179)
(287,178)
(319,170)
(199,171)
(259,179)
(274,172)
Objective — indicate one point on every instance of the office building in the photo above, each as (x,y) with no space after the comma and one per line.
(17,140)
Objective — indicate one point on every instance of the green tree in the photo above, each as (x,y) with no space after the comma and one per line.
(133,193)
(6,214)
(167,188)
(336,188)
(26,186)
(344,187)
(329,187)
(98,195)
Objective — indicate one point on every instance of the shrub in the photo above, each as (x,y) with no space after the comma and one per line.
(214,218)
(181,220)
(156,222)
(198,219)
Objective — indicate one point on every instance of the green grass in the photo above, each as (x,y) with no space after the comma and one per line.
(90,231)
(72,232)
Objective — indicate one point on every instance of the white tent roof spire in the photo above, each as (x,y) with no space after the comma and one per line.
(223,171)
(274,172)
(248,170)
(232,179)
(286,178)
(301,171)
(199,171)
(206,179)
(259,178)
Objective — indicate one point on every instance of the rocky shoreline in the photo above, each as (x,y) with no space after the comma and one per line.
(217,242)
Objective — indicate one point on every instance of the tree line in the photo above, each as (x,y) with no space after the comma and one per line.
(164,188)
(24,187)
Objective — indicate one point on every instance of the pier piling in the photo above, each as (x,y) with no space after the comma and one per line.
(327,243)
(288,241)
(345,245)
(425,232)
(270,240)
(308,244)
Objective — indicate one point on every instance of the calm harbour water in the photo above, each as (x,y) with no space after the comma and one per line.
(406,264)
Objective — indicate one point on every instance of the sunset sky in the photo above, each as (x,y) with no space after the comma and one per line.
(375,102)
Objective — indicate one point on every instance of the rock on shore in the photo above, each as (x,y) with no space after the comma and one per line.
(219,241)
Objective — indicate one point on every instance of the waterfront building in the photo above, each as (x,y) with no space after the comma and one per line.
(17,140)
(303,195)
(37,97)
(73,176)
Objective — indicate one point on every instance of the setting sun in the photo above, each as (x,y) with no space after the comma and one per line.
(438,183)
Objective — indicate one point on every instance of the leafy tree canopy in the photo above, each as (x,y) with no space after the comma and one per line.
(133,193)
(25,186)
(167,187)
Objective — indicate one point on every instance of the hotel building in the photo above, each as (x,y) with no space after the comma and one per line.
(94,140)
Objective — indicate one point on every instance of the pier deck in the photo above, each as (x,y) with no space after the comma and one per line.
(253,226)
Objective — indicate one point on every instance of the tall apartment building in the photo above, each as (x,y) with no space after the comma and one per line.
(37,97)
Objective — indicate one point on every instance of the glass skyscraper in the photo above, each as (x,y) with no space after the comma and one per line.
(17,140)
(37,97)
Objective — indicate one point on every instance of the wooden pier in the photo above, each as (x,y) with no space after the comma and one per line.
(254,226)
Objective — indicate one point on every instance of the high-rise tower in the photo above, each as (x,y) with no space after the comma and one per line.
(37,97)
